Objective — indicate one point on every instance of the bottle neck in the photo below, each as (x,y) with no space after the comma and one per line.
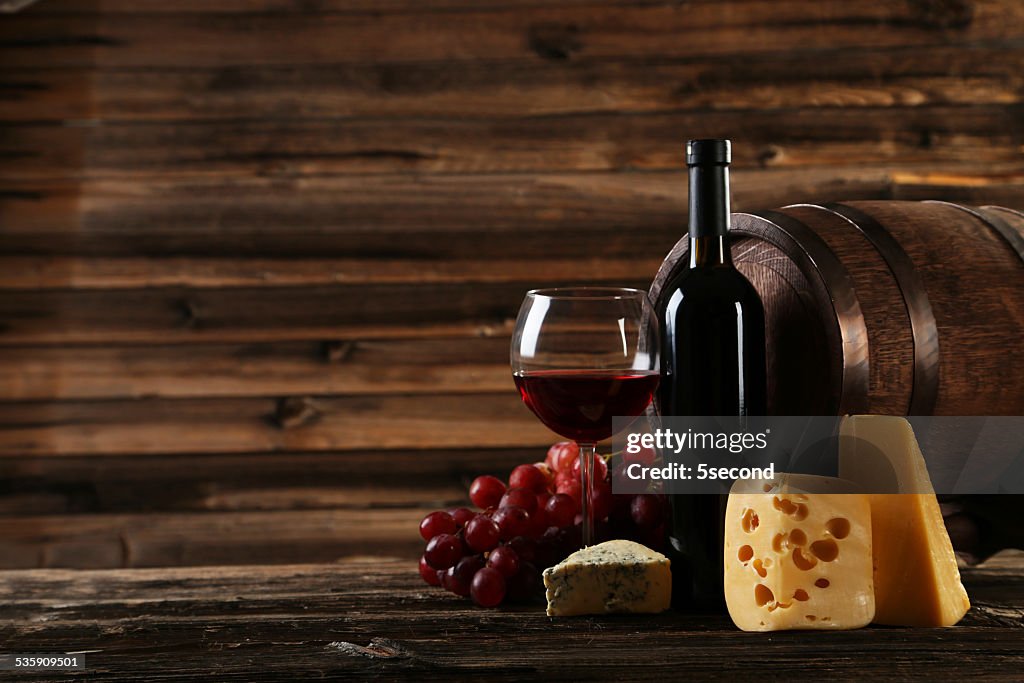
(709,216)
(708,252)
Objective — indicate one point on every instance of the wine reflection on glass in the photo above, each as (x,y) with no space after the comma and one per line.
(581,356)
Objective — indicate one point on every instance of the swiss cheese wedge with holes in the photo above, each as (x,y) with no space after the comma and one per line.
(798,554)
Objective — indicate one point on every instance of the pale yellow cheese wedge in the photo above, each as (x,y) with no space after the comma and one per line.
(798,554)
(611,577)
(917,582)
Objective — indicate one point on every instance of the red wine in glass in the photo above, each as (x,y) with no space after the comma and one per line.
(581,356)
(580,404)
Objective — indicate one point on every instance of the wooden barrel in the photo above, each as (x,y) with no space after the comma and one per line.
(886,307)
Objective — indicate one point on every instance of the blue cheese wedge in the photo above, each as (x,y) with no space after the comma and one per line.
(611,577)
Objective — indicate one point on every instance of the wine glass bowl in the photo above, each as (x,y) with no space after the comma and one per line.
(582,356)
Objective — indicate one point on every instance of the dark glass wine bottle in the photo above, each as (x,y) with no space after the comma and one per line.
(713,363)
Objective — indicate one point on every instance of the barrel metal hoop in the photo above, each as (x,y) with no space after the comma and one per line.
(1013,237)
(915,297)
(853,331)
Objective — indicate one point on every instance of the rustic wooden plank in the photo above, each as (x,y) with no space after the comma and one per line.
(182,482)
(358,367)
(301,6)
(258,425)
(629,215)
(842,78)
(426,217)
(555,33)
(69,272)
(371,618)
(344,312)
(208,538)
(600,142)
(954,187)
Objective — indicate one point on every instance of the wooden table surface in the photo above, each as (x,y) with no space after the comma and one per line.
(373,617)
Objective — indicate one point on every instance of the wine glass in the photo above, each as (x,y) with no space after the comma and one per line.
(581,356)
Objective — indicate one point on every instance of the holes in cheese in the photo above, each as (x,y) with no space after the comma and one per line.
(763,595)
(838,527)
(797,510)
(803,562)
(804,540)
(750,521)
(825,550)
(759,568)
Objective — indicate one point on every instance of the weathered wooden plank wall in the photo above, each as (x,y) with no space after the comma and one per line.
(259,258)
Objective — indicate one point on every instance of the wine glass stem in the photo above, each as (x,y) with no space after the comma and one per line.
(587,454)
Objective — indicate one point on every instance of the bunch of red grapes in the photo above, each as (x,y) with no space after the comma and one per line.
(497,554)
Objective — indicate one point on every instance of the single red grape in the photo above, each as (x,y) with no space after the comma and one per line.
(538,523)
(482,533)
(564,477)
(443,551)
(561,509)
(437,523)
(574,490)
(486,491)
(519,497)
(512,521)
(459,578)
(549,474)
(527,477)
(646,511)
(525,548)
(462,516)
(428,573)
(505,560)
(488,588)
(600,468)
(645,457)
(562,455)
(602,499)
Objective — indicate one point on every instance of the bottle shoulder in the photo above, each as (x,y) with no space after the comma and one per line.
(713,285)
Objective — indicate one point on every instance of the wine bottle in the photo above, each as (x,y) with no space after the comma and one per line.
(713,363)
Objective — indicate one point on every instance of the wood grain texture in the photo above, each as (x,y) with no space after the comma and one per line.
(70,272)
(373,618)
(595,142)
(545,32)
(353,367)
(359,480)
(898,77)
(890,344)
(975,299)
(422,217)
(258,255)
(253,424)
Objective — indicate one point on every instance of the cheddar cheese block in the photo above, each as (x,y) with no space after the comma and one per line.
(798,554)
(615,576)
(917,582)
